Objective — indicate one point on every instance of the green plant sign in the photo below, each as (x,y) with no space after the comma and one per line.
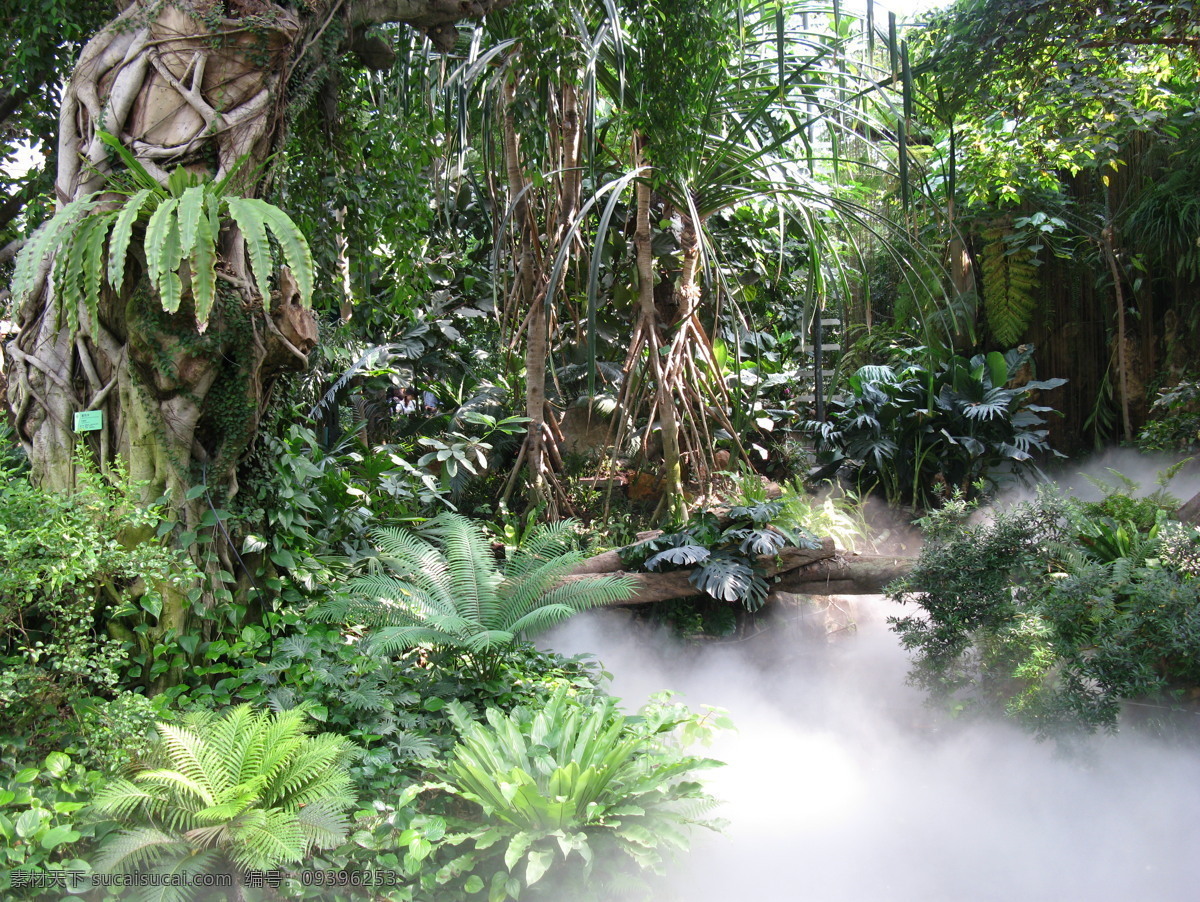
(89,420)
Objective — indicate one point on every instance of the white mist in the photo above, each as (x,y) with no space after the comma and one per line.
(841,784)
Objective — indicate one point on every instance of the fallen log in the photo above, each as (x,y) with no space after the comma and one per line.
(811,571)
(845,574)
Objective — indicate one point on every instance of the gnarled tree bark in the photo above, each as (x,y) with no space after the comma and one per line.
(203,85)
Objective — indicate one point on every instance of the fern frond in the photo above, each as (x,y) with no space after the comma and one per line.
(187,753)
(324,826)
(203,271)
(135,849)
(473,577)
(191,209)
(169,255)
(1010,283)
(93,235)
(45,241)
(156,231)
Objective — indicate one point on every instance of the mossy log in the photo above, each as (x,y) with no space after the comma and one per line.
(818,571)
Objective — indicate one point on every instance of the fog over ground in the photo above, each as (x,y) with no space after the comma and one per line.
(841,784)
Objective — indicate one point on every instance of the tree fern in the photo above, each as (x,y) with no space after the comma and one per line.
(1010,284)
(447,590)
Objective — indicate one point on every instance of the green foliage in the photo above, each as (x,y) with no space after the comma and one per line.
(570,793)
(1052,615)
(247,789)
(71,567)
(839,515)
(919,433)
(723,558)
(447,590)
(458,456)
(181,224)
(40,826)
(1175,419)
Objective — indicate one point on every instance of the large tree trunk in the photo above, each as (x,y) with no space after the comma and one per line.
(199,84)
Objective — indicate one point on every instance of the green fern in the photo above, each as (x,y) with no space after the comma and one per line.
(180,225)
(447,591)
(248,789)
(1010,284)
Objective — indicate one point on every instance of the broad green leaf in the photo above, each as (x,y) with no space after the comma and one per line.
(57,763)
(93,262)
(122,234)
(156,232)
(30,822)
(44,242)
(171,291)
(246,212)
(204,271)
(294,246)
(539,862)
(57,836)
(191,209)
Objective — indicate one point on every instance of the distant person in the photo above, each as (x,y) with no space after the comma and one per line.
(408,401)
(430,402)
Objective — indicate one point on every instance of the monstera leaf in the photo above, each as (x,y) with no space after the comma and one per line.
(729,578)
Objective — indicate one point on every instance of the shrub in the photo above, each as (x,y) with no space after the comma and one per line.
(1053,615)
(74,570)
(40,827)
(1174,419)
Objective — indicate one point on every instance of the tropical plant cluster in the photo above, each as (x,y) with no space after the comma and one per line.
(631,257)
(920,433)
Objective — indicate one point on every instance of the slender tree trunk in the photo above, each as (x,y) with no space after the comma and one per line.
(664,402)
(1110,255)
